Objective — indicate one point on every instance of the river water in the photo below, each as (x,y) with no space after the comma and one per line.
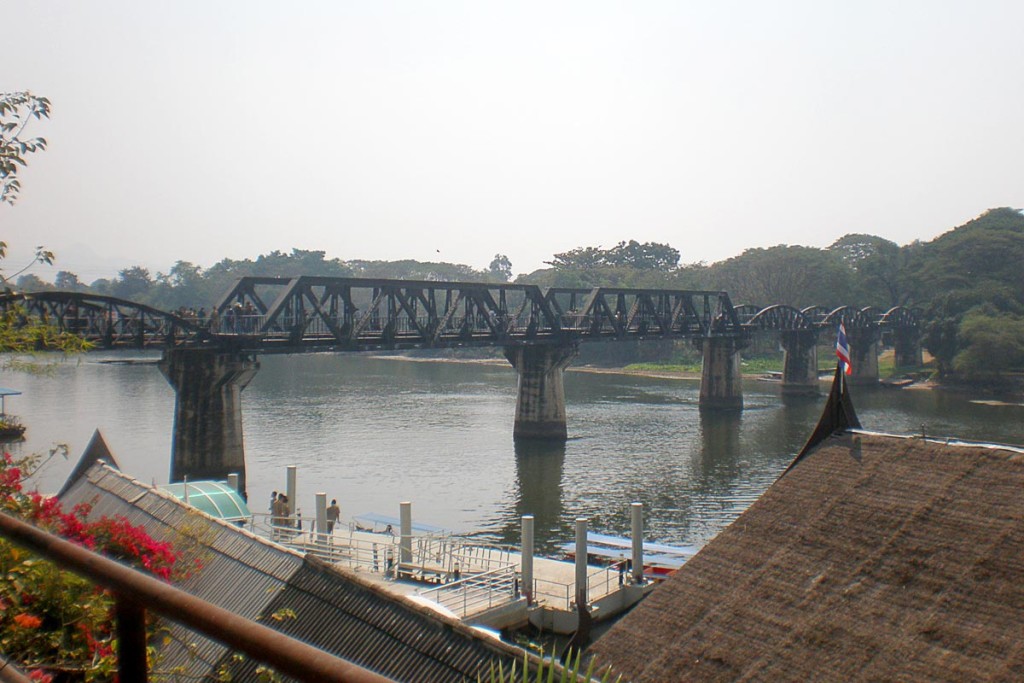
(374,431)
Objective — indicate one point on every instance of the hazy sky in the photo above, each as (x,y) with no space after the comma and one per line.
(456,130)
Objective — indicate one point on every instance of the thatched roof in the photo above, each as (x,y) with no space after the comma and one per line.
(875,558)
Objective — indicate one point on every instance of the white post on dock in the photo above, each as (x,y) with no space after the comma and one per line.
(637,530)
(321,517)
(581,561)
(290,492)
(233,481)
(405,527)
(527,568)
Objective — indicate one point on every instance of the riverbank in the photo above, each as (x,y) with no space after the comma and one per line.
(1004,390)
(591,369)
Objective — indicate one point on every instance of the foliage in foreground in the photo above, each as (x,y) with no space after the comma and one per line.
(541,670)
(54,623)
(17,109)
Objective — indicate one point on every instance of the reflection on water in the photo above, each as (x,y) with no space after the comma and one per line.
(374,432)
(538,492)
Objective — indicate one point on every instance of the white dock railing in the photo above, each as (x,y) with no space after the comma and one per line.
(377,555)
(477,592)
(558,595)
(472,576)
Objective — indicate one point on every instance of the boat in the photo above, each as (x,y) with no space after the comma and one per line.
(11,428)
(660,560)
(896,383)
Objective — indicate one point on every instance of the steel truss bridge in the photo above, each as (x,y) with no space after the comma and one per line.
(210,361)
(291,315)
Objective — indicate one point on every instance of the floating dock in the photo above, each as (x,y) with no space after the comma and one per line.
(485,585)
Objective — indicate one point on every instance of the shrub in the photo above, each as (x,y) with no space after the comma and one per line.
(55,623)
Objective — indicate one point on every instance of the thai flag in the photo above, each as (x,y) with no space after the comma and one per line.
(843,349)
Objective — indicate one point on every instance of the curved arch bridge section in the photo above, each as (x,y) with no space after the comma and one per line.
(800,331)
(105,321)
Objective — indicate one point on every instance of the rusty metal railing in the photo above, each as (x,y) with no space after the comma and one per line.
(10,673)
(136,592)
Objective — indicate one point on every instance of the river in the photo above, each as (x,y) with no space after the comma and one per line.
(374,431)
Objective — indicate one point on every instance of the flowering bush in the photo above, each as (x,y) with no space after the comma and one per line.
(58,625)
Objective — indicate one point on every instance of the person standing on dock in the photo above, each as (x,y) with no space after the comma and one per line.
(280,512)
(333,514)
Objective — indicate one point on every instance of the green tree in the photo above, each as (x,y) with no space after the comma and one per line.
(33,283)
(879,265)
(500,268)
(792,275)
(68,282)
(580,258)
(415,270)
(969,280)
(132,283)
(632,254)
(983,254)
(991,343)
(646,256)
(183,285)
(627,264)
(17,110)
(102,286)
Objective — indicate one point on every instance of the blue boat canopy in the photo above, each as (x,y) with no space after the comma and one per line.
(4,392)
(374,521)
(215,498)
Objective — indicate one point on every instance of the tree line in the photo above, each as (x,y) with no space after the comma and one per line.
(967,282)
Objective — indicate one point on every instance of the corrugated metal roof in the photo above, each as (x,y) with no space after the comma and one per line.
(253,577)
(239,571)
(340,613)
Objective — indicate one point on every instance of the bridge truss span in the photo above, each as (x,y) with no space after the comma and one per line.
(366,314)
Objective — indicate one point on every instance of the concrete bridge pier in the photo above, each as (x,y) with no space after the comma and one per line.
(799,362)
(540,405)
(721,380)
(907,345)
(864,356)
(207,442)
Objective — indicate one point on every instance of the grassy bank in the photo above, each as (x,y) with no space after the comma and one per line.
(770,364)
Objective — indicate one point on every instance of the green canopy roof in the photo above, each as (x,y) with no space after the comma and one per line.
(215,498)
